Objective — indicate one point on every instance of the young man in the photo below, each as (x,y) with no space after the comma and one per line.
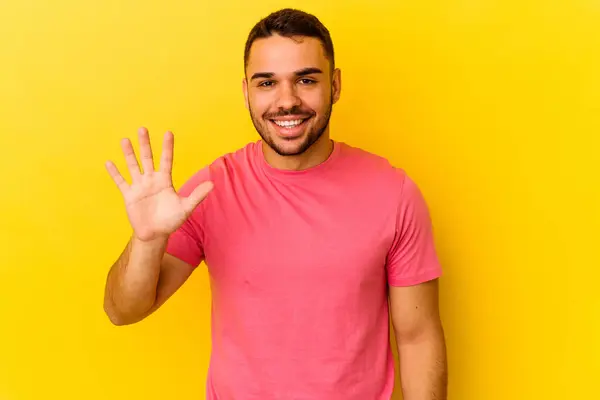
(310,243)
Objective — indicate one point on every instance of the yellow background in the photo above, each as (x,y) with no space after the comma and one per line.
(492,106)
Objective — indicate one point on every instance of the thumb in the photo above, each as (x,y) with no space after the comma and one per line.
(197,195)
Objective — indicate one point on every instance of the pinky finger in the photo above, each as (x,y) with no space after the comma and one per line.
(116,176)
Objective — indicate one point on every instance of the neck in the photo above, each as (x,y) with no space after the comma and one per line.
(313,156)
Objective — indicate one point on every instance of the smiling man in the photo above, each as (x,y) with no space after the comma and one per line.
(311,244)
(290,92)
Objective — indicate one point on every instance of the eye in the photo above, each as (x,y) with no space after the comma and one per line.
(307,81)
(266,84)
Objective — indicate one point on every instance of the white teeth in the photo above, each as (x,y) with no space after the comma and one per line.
(289,124)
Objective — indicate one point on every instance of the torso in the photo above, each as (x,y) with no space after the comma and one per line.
(298,277)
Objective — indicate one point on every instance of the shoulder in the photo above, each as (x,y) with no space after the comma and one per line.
(225,172)
(373,168)
(224,167)
(394,188)
(390,185)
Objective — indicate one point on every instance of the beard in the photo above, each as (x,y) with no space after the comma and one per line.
(262,126)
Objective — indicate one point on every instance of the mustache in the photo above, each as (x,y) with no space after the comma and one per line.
(292,111)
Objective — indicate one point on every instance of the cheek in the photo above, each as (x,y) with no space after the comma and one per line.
(317,106)
(316,99)
(260,103)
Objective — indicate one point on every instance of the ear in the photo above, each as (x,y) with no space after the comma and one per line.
(336,84)
(245,90)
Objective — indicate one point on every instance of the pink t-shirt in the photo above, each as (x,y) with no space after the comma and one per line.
(299,263)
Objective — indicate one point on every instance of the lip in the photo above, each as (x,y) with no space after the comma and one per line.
(290,118)
(290,133)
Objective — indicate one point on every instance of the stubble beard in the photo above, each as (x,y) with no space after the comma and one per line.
(261,124)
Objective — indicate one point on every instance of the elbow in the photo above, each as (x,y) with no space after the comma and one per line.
(118,317)
(114,317)
(432,331)
(116,321)
(122,313)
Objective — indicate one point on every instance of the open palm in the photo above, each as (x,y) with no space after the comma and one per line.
(154,208)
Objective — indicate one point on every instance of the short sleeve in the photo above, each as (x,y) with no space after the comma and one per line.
(186,243)
(412,258)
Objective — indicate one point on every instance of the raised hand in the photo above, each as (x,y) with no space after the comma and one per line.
(154,208)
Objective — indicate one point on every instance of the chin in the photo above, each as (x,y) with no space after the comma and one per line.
(290,142)
(289,146)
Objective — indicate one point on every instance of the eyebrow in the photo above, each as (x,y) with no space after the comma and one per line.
(300,72)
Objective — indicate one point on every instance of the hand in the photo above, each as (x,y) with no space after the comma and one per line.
(154,208)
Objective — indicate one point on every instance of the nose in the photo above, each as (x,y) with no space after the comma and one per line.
(287,97)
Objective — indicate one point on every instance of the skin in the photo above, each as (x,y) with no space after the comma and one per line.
(289,78)
(285,78)
(420,341)
(144,276)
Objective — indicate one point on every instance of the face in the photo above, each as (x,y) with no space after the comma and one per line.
(290,90)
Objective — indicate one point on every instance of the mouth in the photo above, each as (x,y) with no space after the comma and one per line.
(289,128)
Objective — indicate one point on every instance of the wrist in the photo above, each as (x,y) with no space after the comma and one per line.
(159,241)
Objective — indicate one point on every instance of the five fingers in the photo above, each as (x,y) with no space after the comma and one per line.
(166,165)
(146,158)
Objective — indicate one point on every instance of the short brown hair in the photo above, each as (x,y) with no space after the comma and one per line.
(290,22)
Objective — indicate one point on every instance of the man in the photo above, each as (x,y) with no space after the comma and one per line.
(310,243)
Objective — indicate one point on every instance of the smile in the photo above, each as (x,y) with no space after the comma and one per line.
(289,124)
(290,128)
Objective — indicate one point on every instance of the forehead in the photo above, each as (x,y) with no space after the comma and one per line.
(282,55)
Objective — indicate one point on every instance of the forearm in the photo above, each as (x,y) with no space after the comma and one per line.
(423,365)
(132,281)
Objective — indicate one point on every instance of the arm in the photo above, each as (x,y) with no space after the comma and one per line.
(144,276)
(141,280)
(413,271)
(420,340)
